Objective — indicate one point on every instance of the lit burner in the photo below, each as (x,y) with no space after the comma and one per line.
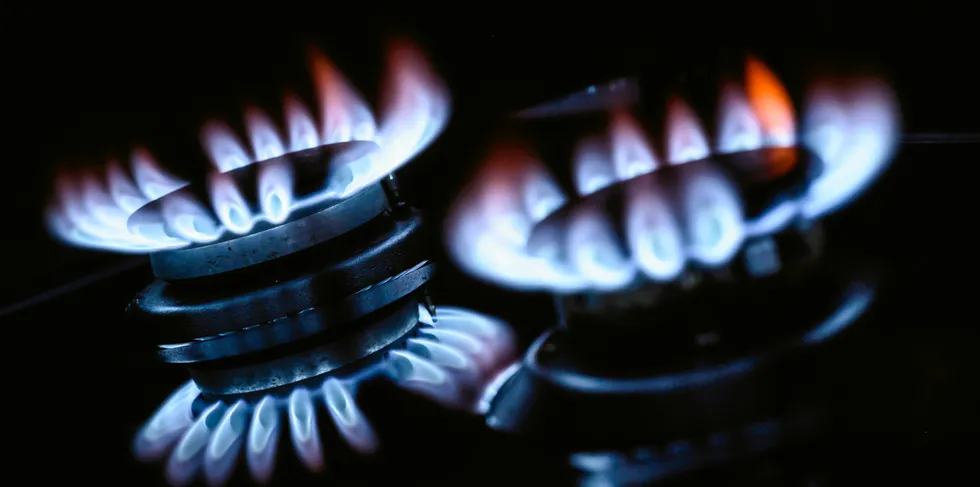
(851,127)
(693,289)
(287,278)
(92,209)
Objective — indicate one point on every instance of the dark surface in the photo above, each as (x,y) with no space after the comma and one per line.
(102,85)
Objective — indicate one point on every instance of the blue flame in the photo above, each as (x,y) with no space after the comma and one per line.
(92,209)
(852,127)
(450,361)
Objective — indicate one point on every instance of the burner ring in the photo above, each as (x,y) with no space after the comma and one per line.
(301,325)
(307,176)
(307,361)
(271,243)
(177,312)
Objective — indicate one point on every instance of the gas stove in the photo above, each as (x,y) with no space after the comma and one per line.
(735,301)
(700,312)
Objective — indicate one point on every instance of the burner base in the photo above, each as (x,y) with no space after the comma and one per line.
(619,394)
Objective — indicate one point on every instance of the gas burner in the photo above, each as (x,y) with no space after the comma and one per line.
(93,208)
(694,292)
(850,126)
(293,217)
(287,279)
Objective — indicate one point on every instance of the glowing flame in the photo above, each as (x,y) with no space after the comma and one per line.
(632,154)
(450,361)
(712,214)
(489,233)
(186,218)
(686,140)
(593,166)
(415,107)
(344,113)
(229,205)
(594,252)
(738,125)
(654,234)
(414,112)
(263,135)
(223,147)
(853,127)
(92,209)
(771,104)
(276,190)
(300,124)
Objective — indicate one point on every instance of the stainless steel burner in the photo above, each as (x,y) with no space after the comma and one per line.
(697,302)
(288,278)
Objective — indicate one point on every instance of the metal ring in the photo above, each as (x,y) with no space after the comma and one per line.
(301,325)
(181,312)
(273,242)
(855,301)
(310,362)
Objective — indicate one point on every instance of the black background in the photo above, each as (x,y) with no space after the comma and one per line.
(96,81)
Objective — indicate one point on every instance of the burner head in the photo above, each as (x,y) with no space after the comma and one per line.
(766,183)
(712,208)
(226,324)
(299,195)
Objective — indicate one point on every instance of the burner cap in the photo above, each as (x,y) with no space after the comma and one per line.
(318,291)
(317,212)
